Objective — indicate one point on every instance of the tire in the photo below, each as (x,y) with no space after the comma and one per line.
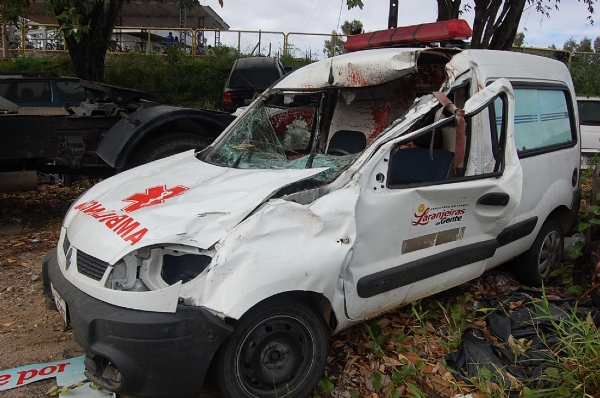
(166,145)
(278,349)
(535,266)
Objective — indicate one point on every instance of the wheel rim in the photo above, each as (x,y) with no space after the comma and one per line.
(275,357)
(550,254)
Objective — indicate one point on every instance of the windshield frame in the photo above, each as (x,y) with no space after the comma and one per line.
(243,152)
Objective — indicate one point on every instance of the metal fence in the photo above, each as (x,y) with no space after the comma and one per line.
(30,37)
(152,40)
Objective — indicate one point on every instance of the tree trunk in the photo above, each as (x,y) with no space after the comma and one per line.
(88,51)
(448,9)
(4,41)
(496,23)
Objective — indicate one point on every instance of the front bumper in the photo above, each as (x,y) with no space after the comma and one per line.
(146,354)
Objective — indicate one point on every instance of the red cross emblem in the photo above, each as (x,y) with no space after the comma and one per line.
(152,196)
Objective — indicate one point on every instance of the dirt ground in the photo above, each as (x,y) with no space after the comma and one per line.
(31,333)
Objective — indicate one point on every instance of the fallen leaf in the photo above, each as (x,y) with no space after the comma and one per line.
(383,322)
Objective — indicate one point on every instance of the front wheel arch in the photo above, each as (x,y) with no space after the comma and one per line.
(313,299)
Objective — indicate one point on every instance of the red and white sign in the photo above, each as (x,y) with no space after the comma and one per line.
(11,378)
(123,225)
(152,196)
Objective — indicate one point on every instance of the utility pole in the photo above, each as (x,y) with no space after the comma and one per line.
(393,18)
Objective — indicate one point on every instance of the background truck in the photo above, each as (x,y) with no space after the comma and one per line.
(114,128)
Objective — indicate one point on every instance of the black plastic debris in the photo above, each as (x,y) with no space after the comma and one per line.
(521,315)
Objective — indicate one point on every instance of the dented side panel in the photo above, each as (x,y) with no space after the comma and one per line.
(283,247)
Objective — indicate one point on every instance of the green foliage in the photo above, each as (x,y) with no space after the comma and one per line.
(519,39)
(177,78)
(181,80)
(11,10)
(326,385)
(354,3)
(352,27)
(377,338)
(60,65)
(337,47)
(586,77)
(575,361)
(377,380)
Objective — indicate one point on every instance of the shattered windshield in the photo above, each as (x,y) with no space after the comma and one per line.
(279,132)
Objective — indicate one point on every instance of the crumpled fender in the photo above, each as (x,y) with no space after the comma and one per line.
(119,142)
(283,247)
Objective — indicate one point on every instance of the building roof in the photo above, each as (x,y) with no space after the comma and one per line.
(150,13)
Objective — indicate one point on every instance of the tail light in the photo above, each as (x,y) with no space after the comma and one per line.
(227,100)
(453,29)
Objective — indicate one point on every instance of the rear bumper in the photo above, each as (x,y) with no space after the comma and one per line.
(141,353)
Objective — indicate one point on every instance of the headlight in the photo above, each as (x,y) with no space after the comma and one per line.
(158,267)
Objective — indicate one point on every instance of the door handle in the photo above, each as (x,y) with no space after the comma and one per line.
(494,199)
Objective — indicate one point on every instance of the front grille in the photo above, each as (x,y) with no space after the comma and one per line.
(90,266)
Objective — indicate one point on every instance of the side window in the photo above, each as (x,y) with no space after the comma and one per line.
(543,119)
(32,92)
(70,91)
(435,156)
(589,112)
(6,92)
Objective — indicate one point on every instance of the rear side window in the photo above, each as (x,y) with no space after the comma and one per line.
(253,78)
(70,91)
(543,120)
(589,112)
(24,92)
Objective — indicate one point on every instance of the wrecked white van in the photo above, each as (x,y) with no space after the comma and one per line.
(352,186)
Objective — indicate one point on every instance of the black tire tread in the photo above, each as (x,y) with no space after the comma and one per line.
(166,145)
(224,370)
(527,264)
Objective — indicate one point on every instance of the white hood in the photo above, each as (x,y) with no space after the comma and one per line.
(174,200)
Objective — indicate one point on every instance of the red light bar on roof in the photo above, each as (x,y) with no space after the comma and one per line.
(453,29)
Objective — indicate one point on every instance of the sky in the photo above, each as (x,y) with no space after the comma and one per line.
(321,16)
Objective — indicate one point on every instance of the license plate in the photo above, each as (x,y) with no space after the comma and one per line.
(61,305)
(247,101)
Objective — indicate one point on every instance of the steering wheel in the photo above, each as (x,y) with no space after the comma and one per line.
(338,152)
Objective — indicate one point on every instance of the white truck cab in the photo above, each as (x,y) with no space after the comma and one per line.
(352,186)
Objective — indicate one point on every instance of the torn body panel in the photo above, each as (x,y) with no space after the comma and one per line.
(281,248)
(367,68)
(214,200)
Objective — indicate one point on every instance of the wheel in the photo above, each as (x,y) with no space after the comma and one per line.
(276,350)
(166,145)
(535,266)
